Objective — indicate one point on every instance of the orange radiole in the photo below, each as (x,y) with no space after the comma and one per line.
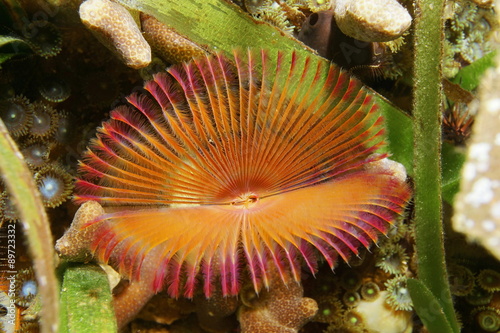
(232,167)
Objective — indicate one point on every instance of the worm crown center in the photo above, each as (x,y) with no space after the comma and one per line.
(246,200)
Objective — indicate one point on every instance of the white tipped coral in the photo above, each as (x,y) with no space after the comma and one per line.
(116,29)
(371,20)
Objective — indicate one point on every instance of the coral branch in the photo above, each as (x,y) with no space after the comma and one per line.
(113,25)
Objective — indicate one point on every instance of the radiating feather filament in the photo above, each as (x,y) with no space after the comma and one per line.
(252,169)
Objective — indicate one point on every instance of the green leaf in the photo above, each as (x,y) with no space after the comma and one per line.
(400,135)
(11,46)
(452,161)
(6,56)
(25,196)
(5,40)
(86,301)
(427,108)
(428,308)
(470,76)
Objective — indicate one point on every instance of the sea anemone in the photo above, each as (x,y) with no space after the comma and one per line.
(241,159)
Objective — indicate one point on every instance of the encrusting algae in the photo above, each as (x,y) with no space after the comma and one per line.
(219,165)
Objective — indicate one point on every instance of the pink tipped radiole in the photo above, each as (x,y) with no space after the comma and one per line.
(231,167)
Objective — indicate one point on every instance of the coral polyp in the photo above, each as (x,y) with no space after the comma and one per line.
(370,291)
(17,114)
(461,280)
(45,120)
(488,318)
(489,280)
(47,42)
(55,185)
(26,288)
(35,153)
(244,159)
(54,89)
(8,210)
(398,296)
(392,259)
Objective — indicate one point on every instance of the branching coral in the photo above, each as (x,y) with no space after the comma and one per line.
(113,25)
(282,309)
(213,313)
(371,20)
(75,243)
(165,41)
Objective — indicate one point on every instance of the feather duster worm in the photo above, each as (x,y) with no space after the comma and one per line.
(243,162)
